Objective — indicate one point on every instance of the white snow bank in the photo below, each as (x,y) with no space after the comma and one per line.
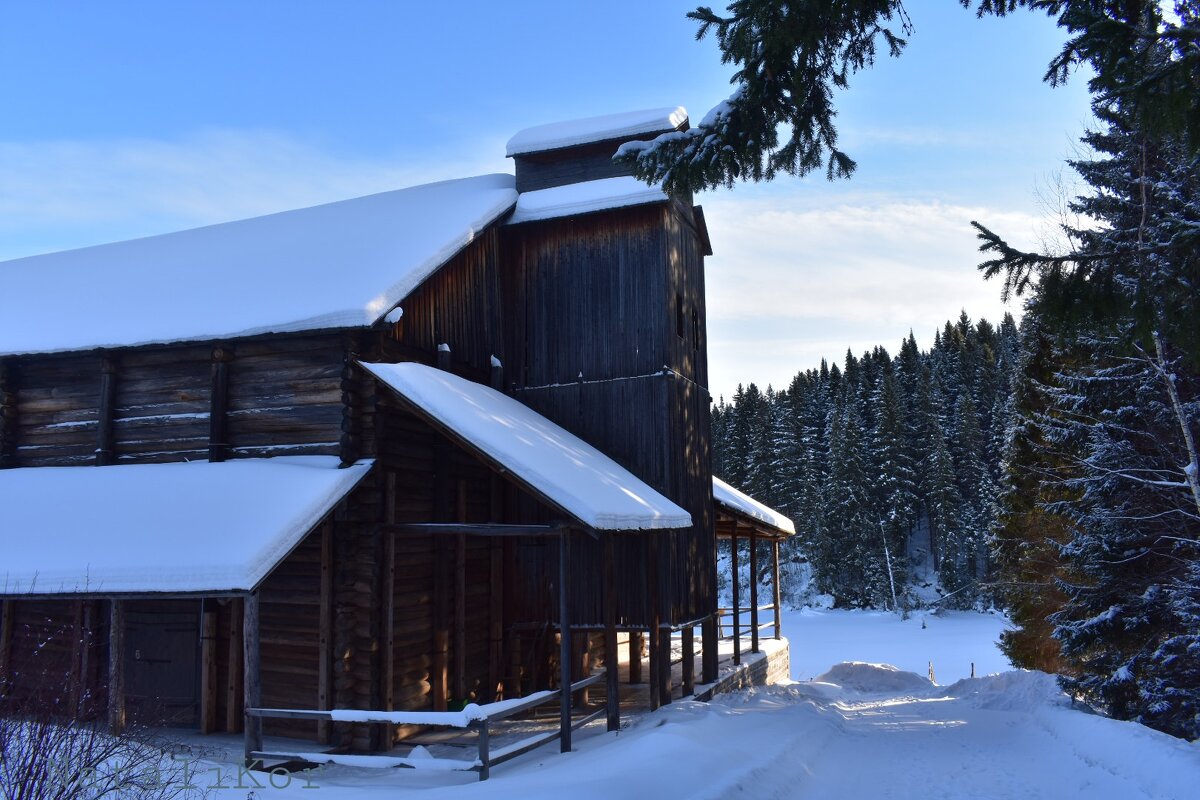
(342,264)
(188,527)
(568,471)
(859,676)
(731,498)
(557,135)
(584,198)
(1019,690)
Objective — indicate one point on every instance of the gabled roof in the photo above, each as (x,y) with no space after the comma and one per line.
(343,264)
(558,135)
(584,198)
(739,503)
(554,464)
(174,528)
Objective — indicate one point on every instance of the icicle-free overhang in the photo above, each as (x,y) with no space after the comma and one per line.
(740,508)
(557,466)
(183,528)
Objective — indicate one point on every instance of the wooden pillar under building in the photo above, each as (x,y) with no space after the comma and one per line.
(234,712)
(753,592)
(664,669)
(637,641)
(116,667)
(775,587)
(688,672)
(737,606)
(654,652)
(709,644)
(252,674)
(208,669)
(612,659)
(564,639)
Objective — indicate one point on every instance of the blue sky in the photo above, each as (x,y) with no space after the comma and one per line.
(124,119)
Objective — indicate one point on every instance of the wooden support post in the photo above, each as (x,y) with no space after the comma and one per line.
(252,674)
(218,405)
(108,398)
(325,634)
(87,658)
(612,686)
(654,634)
(234,712)
(440,673)
(208,670)
(460,599)
(495,619)
(710,655)
(637,641)
(116,667)
(78,646)
(753,592)
(775,587)
(564,639)
(7,615)
(387,623)
(688,677)
(8,414)
(737,608)
(664,660)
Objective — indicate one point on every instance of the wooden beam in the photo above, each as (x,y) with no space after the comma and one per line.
(460,597)
(564,641)
(775,587)
(753,592)
(495,619)
(325,632)
(108,398)
(208,670)
(116,666)
(664,660)
(87,658)
(654,652)
(439,669)
(737,615)
(234,711)
(252,674)
(218,405)
(612,658)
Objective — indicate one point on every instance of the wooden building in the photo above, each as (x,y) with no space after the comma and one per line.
(331,458)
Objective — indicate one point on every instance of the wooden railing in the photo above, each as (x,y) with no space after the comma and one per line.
(478,722)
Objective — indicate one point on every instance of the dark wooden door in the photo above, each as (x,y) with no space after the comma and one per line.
(162,660)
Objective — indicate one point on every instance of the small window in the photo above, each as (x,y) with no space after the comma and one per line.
(695,329)
(679,315)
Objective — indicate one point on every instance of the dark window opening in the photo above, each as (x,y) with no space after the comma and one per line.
(695,329)
(679,315)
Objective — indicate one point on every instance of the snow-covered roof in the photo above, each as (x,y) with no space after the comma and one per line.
(583,198)
(186,527)
(343,264)
(731,498)
(562,468)
(558,135)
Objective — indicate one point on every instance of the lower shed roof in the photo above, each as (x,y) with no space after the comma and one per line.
(741,508)
(180,528)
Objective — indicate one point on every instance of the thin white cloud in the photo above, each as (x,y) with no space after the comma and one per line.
(55,195)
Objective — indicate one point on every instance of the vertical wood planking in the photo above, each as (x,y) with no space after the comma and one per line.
(688,677)
(234,717)
(218,405)
(325,632)
(252,672)
(77,688)
(612,658)
(460,599)
(564,639)
(636,643)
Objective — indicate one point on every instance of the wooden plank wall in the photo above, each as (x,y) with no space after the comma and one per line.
(57,410)
(55,644)
(162,405)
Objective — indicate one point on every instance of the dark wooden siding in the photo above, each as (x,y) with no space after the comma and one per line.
(162,405)
(569,165)
(57,410)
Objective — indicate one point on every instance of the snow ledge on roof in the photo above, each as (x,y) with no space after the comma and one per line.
(584,198)
(731,498)
(558,135)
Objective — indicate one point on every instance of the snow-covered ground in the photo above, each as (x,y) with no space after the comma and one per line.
(861,730)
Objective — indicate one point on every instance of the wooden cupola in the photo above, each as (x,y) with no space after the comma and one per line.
(562,153)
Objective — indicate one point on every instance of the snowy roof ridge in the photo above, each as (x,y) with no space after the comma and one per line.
(584,198)
(335,265)
(139,528)
(571,133)
(731,498)
(564,469)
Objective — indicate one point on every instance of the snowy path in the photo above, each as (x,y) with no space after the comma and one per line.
(861,731)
